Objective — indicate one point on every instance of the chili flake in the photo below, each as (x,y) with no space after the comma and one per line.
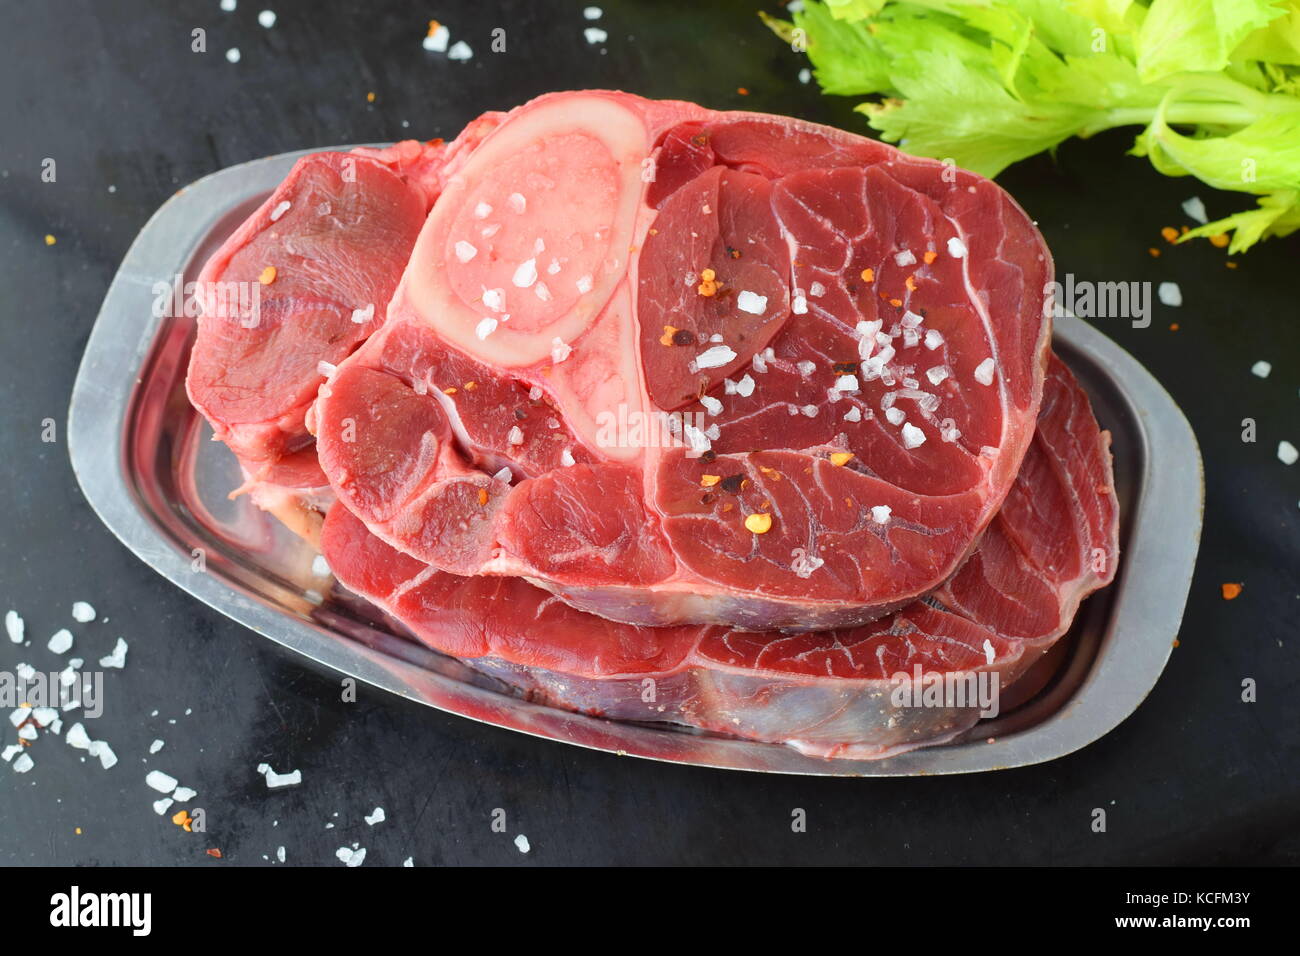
(911,283)
(267,276)
(868,275)
(1219,240)
(708,283)
(667,337)
(930,256)
(482,496)
(708,481)
(841,458)
(1170,233)
(759,523)
(1231,591)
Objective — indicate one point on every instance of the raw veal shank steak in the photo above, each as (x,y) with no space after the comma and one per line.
(827,693)
(854,341)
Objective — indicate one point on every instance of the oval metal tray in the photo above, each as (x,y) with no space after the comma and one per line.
(142,456)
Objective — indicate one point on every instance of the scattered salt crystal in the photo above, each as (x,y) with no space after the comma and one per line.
(409,861)
(521,842)
(584,284)
(266,18)
(698,441)
(1286,453)
(350,856)
(275,780)
(61,642)
(713,432)
(1169,294)
(495,299)
(1261,369)
(376,816)
(911,320)
(320,567)
(45,716)
(566,458)
(27,732)
(362,316)
(482,211)
(711,404)
(751,302)
(156,746)
(517,202)
(279,853)
(280,209)
(846,383)
(232,55)
(595,35)
(118,658)
(799,306)
(228,6)
(715,357)
(505,474)
(515,436)
(817,290)
(759,364)
(162,806)
(8,753)
(933,339)
(24,763)
(880,514)
(745,387)
(486,326)
(956,248)
(854,414)
(460,51)
(1195,210)
(591,13)
(809,411)
(936,374)
(905,258)
(526,274)
(553,267)
(984,372)
(156,779)
(805,75)
(913,437)
(14,626)
(560,350)
(464,251)
(989,653)
(894,415)
(184,794)
(436,42)
(26,671)
(101,750)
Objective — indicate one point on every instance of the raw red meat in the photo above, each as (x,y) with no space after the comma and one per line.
(859,301)
(1052,543)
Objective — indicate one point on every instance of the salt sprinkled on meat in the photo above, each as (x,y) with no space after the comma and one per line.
(560,350)
(713,433)
(486,326)
(61,642)
(895,416)
(905,258)
(984,371)
(854,414)
(490,230)
(554,266)
(505,474)
(880,514)
(584,284)
(1286,453)
(846,383)
(715,357)
(715,337)
(913,437)
(804,564)
(482,210)
(751,302)
(1261,369)
(534,393)
(817,290)
(956,248)
(280,210)
(936,374)
(711,404)
(465,251)
(362,316)
(910,338)
(460,50)
(809,411)
(933,339)
(495,299)
(526,274)
(276,780)
(376,816)
(116,659)
(759,363)
(800,305)
(745,387)
(566,458)
(14,626)
(515,436)
(542,291)
(517,202)
(1169,293)
(806,368)
(990,655)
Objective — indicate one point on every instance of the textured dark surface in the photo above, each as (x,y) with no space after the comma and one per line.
(112,92)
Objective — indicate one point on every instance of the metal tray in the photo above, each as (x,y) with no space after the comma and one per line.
(143,460)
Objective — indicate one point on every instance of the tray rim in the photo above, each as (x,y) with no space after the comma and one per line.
(1172,476)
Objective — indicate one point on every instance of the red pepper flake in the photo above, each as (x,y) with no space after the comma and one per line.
(896,303)
(1231,591)
(758,523)
(1154,252)
(910,283)
(868,275)
(450,390)
(1170,233)
(839,458)
(743,91)
(1230,264)
(708,481)
(1220,240)
(930,256)
(470,386)
(267,276)
(1174,326)
(769,473)
(667,337)
(708,283)
(482,496)
(214,852)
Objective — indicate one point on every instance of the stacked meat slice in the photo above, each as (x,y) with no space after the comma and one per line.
(659,413)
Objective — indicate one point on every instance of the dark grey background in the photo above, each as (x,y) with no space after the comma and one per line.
(112,92)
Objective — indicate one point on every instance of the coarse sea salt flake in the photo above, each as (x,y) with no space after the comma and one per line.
(751,302)
(560,350)
(1169,294)
(15,627)
(933,339)
(280,209)
(913,437)
(711,404)
(376,816)
(276,780)
(517,202)
(515,436)
(117,659)
(526,274)
(61,642)
(880,514)
(936,374)
(1261,369)
(82,612)
(482,210)
(362,316)
(584,284)
(436,42)
(956,248)
(745,387)
(595,35)
(486,326)
(984,372)
(465,251)
(162,782)
(460,50)
(715,357)
(904,258)
(1286,453)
